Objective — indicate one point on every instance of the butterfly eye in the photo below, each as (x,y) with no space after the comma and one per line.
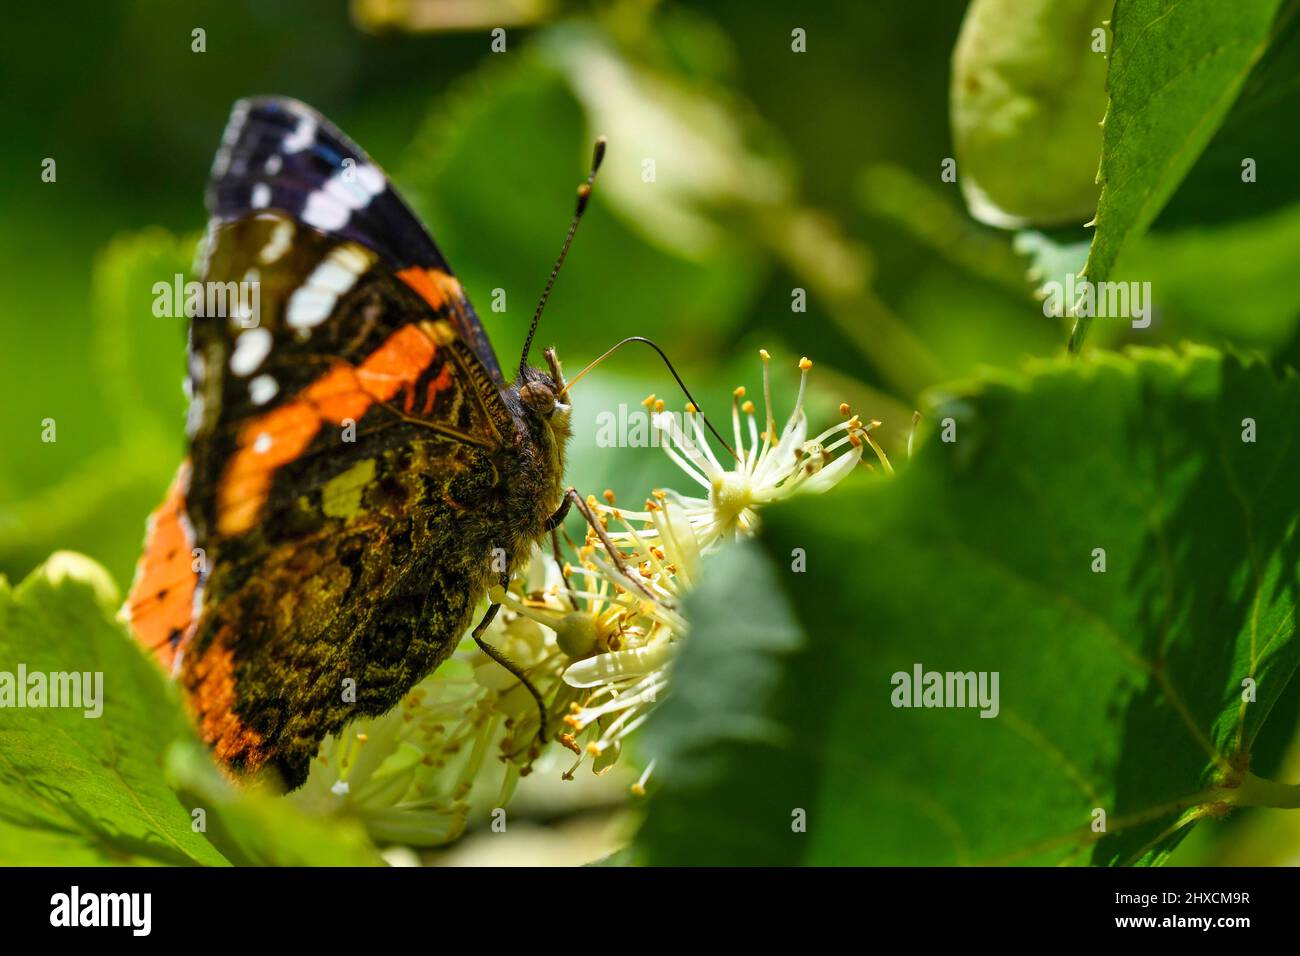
(540,397)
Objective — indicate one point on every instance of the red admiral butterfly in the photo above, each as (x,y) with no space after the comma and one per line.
(360,471)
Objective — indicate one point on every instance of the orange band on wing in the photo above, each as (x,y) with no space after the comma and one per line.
(160,607)
(436,287)
(210,680)
(281,435)
(440,383)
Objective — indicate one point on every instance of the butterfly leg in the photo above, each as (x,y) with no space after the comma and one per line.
(552,525)
(507,663)
(614,555)
(562,512)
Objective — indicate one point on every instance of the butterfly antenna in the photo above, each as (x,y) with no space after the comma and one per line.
(584,193)
(677,378)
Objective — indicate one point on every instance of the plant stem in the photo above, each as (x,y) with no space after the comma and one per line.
(1258,792)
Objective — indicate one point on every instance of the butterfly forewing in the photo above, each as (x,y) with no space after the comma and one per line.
(278,153)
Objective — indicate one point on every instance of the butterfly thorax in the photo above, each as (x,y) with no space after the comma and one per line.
(534,488)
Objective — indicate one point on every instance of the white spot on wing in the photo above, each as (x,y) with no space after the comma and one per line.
(278,245)
(273,164)
(312,303)
(262,389)
(370,179)
(251,349)
(324,212)
(308,307)
(194,360)
(261,197)
(333,277)
(194,416)
(332,205)
(356,259)
(303,135)
(262,444)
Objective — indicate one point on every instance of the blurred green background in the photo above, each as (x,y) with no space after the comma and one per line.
(760,156)
(775,170)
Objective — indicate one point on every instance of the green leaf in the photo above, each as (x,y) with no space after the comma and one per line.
(141,356)
(1234,281)
(123,787)
(98,502)
(1051,258)
(255,828)
(725,760)
(78,790)
(1119,690)
(1175,70)
(1259,127)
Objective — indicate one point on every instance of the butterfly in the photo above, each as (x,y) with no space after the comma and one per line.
(360,471)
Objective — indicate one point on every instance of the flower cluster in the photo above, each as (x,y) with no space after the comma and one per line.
(595,626)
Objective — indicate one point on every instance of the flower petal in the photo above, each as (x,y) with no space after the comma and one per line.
(619,665)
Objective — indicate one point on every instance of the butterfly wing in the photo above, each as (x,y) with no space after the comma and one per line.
(278,153)
(323,547)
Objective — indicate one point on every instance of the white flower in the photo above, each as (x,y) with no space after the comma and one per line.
(408,775)
(765,467)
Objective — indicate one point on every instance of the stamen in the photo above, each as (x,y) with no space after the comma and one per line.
(735,422)
(805,365)
(638,788)
(769,428)
(880,452)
